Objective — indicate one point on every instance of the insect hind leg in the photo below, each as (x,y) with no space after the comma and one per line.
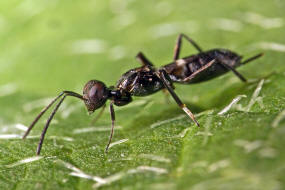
(239,75)
(252,58)
(178,45)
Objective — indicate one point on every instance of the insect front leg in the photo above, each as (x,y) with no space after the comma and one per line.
(161,75)
(112,112)
(178,45)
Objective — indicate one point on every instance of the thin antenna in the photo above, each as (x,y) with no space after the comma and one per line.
(47,125)
(68,93)
(40,115)
(65,93)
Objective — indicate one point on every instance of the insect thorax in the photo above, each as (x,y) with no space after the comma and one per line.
(139,82)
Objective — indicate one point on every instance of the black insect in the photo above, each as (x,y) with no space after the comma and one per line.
(147,79)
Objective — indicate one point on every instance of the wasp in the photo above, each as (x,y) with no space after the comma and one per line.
(147,79)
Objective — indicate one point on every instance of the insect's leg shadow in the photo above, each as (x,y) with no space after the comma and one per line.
(99,115)
(161,75)
(178,45)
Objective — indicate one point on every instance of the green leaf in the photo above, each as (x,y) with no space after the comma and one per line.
(50,46)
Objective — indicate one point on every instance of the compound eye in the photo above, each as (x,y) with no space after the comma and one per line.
(95,94)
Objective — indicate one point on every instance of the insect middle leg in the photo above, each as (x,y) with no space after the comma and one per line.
(161,75)
(143,60)
(178,45)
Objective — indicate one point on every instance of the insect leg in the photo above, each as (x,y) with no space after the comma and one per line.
(112,112)
(161,75)
(242,78)
(99,115)
(143,60)
(252,58)
(178,45)
(193,75)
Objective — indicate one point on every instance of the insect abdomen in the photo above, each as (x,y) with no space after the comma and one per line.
(186,66)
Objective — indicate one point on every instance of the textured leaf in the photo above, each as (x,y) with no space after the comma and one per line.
(50,46)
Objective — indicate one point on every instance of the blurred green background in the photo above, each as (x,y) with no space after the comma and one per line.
(49,46)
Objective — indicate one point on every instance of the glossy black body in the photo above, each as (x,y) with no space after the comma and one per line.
(143,81)
(183,68)
(140,81)
(147,79)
